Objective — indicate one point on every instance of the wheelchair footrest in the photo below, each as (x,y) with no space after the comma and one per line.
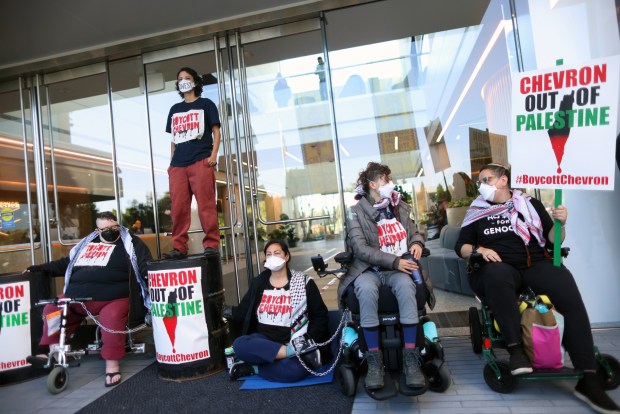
(388,391)
(409,391)
(564,372)
(137,348)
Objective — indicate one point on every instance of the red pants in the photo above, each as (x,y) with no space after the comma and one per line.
(197,179)
(112,314)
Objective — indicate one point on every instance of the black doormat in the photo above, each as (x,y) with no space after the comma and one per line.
(454,319)
(146,393)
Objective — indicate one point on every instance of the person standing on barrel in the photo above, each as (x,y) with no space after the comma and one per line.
(194,124)
(282,315)
(108,266)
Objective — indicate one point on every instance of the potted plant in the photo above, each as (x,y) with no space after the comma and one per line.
(286,231)
(433,219)
(456,210)
(458,207)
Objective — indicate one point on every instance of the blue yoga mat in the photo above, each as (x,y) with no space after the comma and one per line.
(255,382)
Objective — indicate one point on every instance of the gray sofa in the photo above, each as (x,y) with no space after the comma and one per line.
(445,268)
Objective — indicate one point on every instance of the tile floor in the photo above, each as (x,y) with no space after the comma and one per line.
(467,394)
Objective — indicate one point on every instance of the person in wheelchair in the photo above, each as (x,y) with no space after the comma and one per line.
(512,232)
(282,314)
(109,266)
(380,232)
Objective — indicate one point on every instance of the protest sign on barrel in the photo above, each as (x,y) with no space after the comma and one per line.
(190,333)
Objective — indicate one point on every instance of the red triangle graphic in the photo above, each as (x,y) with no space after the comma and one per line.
(557,143)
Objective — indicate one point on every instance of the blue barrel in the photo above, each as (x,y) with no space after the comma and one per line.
(187,307)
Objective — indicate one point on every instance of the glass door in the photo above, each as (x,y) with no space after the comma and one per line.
(19,230)
(160,70)
(294,188)
(277,175)
(78,154)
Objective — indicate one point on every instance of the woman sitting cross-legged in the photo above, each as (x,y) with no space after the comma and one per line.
(281,312)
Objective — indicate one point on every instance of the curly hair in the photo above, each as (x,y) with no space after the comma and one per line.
(373,171)
(197,81)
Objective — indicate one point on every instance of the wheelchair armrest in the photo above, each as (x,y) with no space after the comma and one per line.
(343,258)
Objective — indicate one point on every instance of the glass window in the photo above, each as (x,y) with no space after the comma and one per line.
(78,149)
(292,138)
(162,94)
(15,236)
(433,107)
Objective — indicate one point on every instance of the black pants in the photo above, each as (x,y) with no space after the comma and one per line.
(499,283)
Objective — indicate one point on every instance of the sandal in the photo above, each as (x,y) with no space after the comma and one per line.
(109,376)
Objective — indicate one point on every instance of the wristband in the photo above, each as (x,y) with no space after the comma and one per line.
(474,249)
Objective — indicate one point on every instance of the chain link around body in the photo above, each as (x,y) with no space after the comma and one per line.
(91,316)
(343,320)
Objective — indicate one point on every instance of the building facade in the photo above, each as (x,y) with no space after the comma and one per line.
(423,86)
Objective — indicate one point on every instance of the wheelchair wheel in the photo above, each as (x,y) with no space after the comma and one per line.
(57,380)
(475,330)
(611,378)
(348,381)
(506,384)
(438,375)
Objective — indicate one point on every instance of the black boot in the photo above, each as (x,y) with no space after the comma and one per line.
(412,366)
(589,389)
(374,377)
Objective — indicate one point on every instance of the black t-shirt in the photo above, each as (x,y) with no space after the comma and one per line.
(496,233)
(101,272)
(273,312)
(191,127)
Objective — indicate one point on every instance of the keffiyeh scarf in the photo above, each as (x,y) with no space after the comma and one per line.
(394,199)
(127,243)
(519,203)
(299,303)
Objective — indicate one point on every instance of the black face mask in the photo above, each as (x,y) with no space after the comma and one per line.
(110,235)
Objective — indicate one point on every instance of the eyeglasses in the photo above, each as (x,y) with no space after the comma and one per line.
(115,227)
(485,180)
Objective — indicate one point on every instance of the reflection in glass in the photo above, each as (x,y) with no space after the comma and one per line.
(292,139)
(433,107)
(79,157)
(14,218)
(132,147)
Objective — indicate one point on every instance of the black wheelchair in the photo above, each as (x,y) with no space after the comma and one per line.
(485,337)
(391,340)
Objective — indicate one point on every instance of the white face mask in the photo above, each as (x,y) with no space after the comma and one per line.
(487,191)
(186,85)
(385,191)
(274,263)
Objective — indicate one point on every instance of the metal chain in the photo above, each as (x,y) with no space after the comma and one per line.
(91,316)
(345,314)
(297,354)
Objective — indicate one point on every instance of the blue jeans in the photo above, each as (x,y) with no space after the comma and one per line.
(257,349)
(367,286)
